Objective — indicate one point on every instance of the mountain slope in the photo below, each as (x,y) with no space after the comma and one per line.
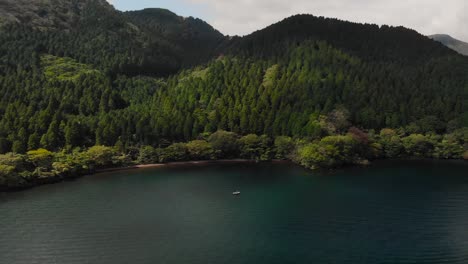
(45,14)
(151,77)
(455,44)
(368,41)
(193,40)
(93,32)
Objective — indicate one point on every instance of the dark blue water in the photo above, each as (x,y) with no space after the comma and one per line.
(391,212)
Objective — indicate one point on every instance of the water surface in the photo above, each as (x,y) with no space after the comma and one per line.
(391,212)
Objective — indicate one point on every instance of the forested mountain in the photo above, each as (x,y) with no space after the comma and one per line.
(192,41)
(455,44)
(93,32)
(45,14)
(79,74)
(366,41)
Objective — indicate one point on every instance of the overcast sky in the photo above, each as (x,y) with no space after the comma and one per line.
(240,17)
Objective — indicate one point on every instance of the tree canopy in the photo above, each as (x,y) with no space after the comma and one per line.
(150,77)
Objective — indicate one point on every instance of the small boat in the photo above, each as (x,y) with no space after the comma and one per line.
(236,193)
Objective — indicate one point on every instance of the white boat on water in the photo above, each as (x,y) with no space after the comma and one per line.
(236,193)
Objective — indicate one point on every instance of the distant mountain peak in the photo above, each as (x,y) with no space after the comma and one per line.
(451,42)
(156,10)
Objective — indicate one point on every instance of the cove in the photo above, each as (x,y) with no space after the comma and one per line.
(390,212)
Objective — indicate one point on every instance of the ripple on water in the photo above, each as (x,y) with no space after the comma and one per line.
(392,212)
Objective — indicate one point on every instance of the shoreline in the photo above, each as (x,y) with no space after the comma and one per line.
(59,179)
(183,163)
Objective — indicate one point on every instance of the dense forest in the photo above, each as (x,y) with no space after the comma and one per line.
(150,79)
(18,171)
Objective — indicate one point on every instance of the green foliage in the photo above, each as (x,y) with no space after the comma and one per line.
(8,176)
(148,155)
(346,146)
(181,41)
(448,149)
(391,143)
(42,160)
(102,156)
(12,170)
(224,144)
(449,146)
(331,151)
(104,78)
(316,155)
(61,168)
(255,147)
(355,147)
(317,127)
(431,124)
(72,164)
(15,160)
(200,150)
(175,152)
(200,73)
(271,75)
(418,145)
(64,69)
(98,85)
(284,146)
(41,157)
(6,171)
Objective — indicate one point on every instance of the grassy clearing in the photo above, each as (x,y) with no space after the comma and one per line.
(64,69)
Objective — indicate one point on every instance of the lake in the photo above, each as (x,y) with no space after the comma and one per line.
(390,212)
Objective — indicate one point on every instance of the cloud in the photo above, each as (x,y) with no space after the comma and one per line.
(240,17)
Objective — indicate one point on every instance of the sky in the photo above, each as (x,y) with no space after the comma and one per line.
(241,17)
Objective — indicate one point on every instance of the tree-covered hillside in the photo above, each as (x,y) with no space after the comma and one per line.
(46,14)
(192,41)
(369,42)
(152,78)
(92,32)
(287,95)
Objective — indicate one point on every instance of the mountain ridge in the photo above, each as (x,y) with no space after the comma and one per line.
(65,14)
(193,38)
(453,43)
(151,77)
(45,14)
(340,33)
(108,32)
